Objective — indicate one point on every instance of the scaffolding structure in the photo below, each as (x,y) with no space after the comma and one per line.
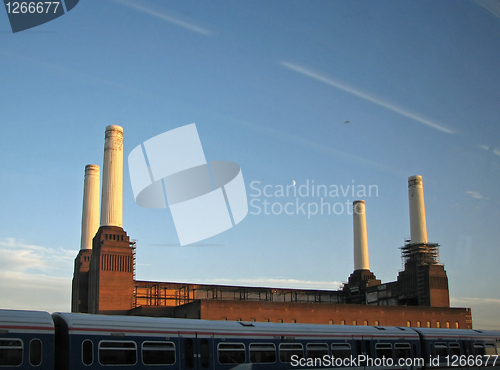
(422,254)
(147,293)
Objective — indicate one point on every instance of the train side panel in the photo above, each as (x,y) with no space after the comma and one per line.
(26,340)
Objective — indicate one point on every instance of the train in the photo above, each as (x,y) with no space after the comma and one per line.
(69,341)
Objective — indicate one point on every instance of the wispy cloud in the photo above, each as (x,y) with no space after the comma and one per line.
(35,277)
(371,98)
(475,194)
(321,148)
(484,311)
(493,6)
(280,283)
(175,21)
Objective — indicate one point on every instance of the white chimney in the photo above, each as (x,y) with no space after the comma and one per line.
(361,261)
(90,211)
(418,228)
(112,178)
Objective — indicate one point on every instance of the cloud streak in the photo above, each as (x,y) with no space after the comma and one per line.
(493,6)
(344,87)
(34,277)
(164,17)
(484,311)
(474,194)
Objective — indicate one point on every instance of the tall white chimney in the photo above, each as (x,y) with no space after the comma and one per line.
(361,261)
(90,211)
(112,178)
(418,227)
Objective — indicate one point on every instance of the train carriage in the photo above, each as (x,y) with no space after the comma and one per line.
(458,348)
(68,341)
(26,340)
(93,341)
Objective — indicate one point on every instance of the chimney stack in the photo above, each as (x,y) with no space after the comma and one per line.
(361,261)
(418,228)
(90,211)
(112,178)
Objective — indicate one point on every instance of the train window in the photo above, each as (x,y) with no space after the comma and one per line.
(287,350)
(316,350)
(231,353)
(11,352)
(440,349)
(479,349)
(359,350)
(117,352)
(467,347)
(490,349)
(35,352)
(341,350)
(368,348)
(454,348)
(87,352)
(383,350)
(402,350)
(262,353)
(189,353)
(204,353)
(158,353)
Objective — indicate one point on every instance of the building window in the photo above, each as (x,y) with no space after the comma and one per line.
(354,322)
(158,353)
(457,325)
(365,322)
(448,324)
(419,324)
(376,322)
(438,324)
(428,324)
(342,322)
(293,321)
(330,322)
(231,353)
(280,320)
(408,324)
(262,353)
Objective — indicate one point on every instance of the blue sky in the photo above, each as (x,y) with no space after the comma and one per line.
(269,86)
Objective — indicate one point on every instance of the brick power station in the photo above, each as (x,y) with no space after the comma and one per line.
(104,283)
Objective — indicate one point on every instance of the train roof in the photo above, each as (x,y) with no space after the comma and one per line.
(457,333)
(139,324)
(17,319)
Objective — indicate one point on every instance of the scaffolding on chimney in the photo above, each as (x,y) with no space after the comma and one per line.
(420,254)
(132,244)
